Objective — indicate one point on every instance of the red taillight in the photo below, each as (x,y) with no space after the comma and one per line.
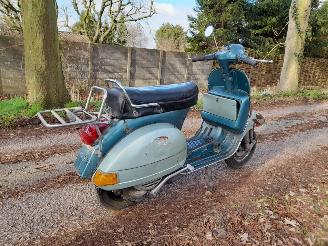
(89,133)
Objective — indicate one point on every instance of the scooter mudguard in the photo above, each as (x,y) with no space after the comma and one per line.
(90,157)
(146,154)
(87,160)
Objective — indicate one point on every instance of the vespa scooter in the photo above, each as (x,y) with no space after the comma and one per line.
(133,144)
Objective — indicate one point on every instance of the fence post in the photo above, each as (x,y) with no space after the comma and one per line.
(91,77)
(188,65)
(128,67)
(161,67)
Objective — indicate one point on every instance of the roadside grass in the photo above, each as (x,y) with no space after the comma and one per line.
(271,96)
(18,109)
(199,105)
(304,94)
(15,109)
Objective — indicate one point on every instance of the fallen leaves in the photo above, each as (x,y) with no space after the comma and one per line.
(244,237)
(290,222)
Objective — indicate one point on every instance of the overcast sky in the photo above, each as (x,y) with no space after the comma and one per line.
(172,11)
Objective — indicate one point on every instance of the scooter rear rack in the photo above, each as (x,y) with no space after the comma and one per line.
(76,116)
(66,117)
(80,116)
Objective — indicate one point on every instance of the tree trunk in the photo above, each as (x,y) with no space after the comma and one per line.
(299,13)
(43,71)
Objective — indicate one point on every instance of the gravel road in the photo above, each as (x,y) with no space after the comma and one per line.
(43,202)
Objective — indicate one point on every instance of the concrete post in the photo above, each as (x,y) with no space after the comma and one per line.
(128,67)
(91,77)
(188,66)
(161,67)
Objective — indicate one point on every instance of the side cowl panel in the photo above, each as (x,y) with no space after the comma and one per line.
(146,154)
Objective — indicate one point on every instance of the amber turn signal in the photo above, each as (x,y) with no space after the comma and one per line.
(104,179)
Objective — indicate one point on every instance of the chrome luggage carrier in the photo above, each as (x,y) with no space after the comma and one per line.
(80,116)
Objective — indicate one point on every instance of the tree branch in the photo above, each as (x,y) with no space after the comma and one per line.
(101,24)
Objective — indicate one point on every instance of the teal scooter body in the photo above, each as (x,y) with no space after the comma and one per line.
(143,147)
(90,157)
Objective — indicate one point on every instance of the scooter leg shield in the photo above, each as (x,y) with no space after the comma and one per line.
(148,153)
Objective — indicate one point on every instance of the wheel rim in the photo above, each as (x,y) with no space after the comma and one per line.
(242,153)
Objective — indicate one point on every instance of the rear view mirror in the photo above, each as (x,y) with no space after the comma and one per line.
(208,31)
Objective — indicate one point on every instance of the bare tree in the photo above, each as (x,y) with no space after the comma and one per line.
(10,11)
(298,23)
(100,23)
(136,36)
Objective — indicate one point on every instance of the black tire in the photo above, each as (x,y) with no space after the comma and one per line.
(114,201)
(237,161)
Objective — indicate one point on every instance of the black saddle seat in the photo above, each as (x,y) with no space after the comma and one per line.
(162,94)
(169,97)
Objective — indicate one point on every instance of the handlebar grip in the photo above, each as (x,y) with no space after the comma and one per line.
(249,61)
(197,58)
(203,58)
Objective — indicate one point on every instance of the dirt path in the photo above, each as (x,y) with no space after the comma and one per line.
(43,202)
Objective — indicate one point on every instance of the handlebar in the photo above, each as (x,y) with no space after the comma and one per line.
(203,58)
(249,60)
(230,54)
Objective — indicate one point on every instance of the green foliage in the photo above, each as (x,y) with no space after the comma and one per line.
(266,29)
(16,108)
(227,17)
(12,106)
(261,24)
(200,104)
(170,37)
(31,111)
(317,38)
(73,104)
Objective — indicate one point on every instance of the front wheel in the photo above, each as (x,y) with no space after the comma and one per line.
(244,152)
(115,200)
